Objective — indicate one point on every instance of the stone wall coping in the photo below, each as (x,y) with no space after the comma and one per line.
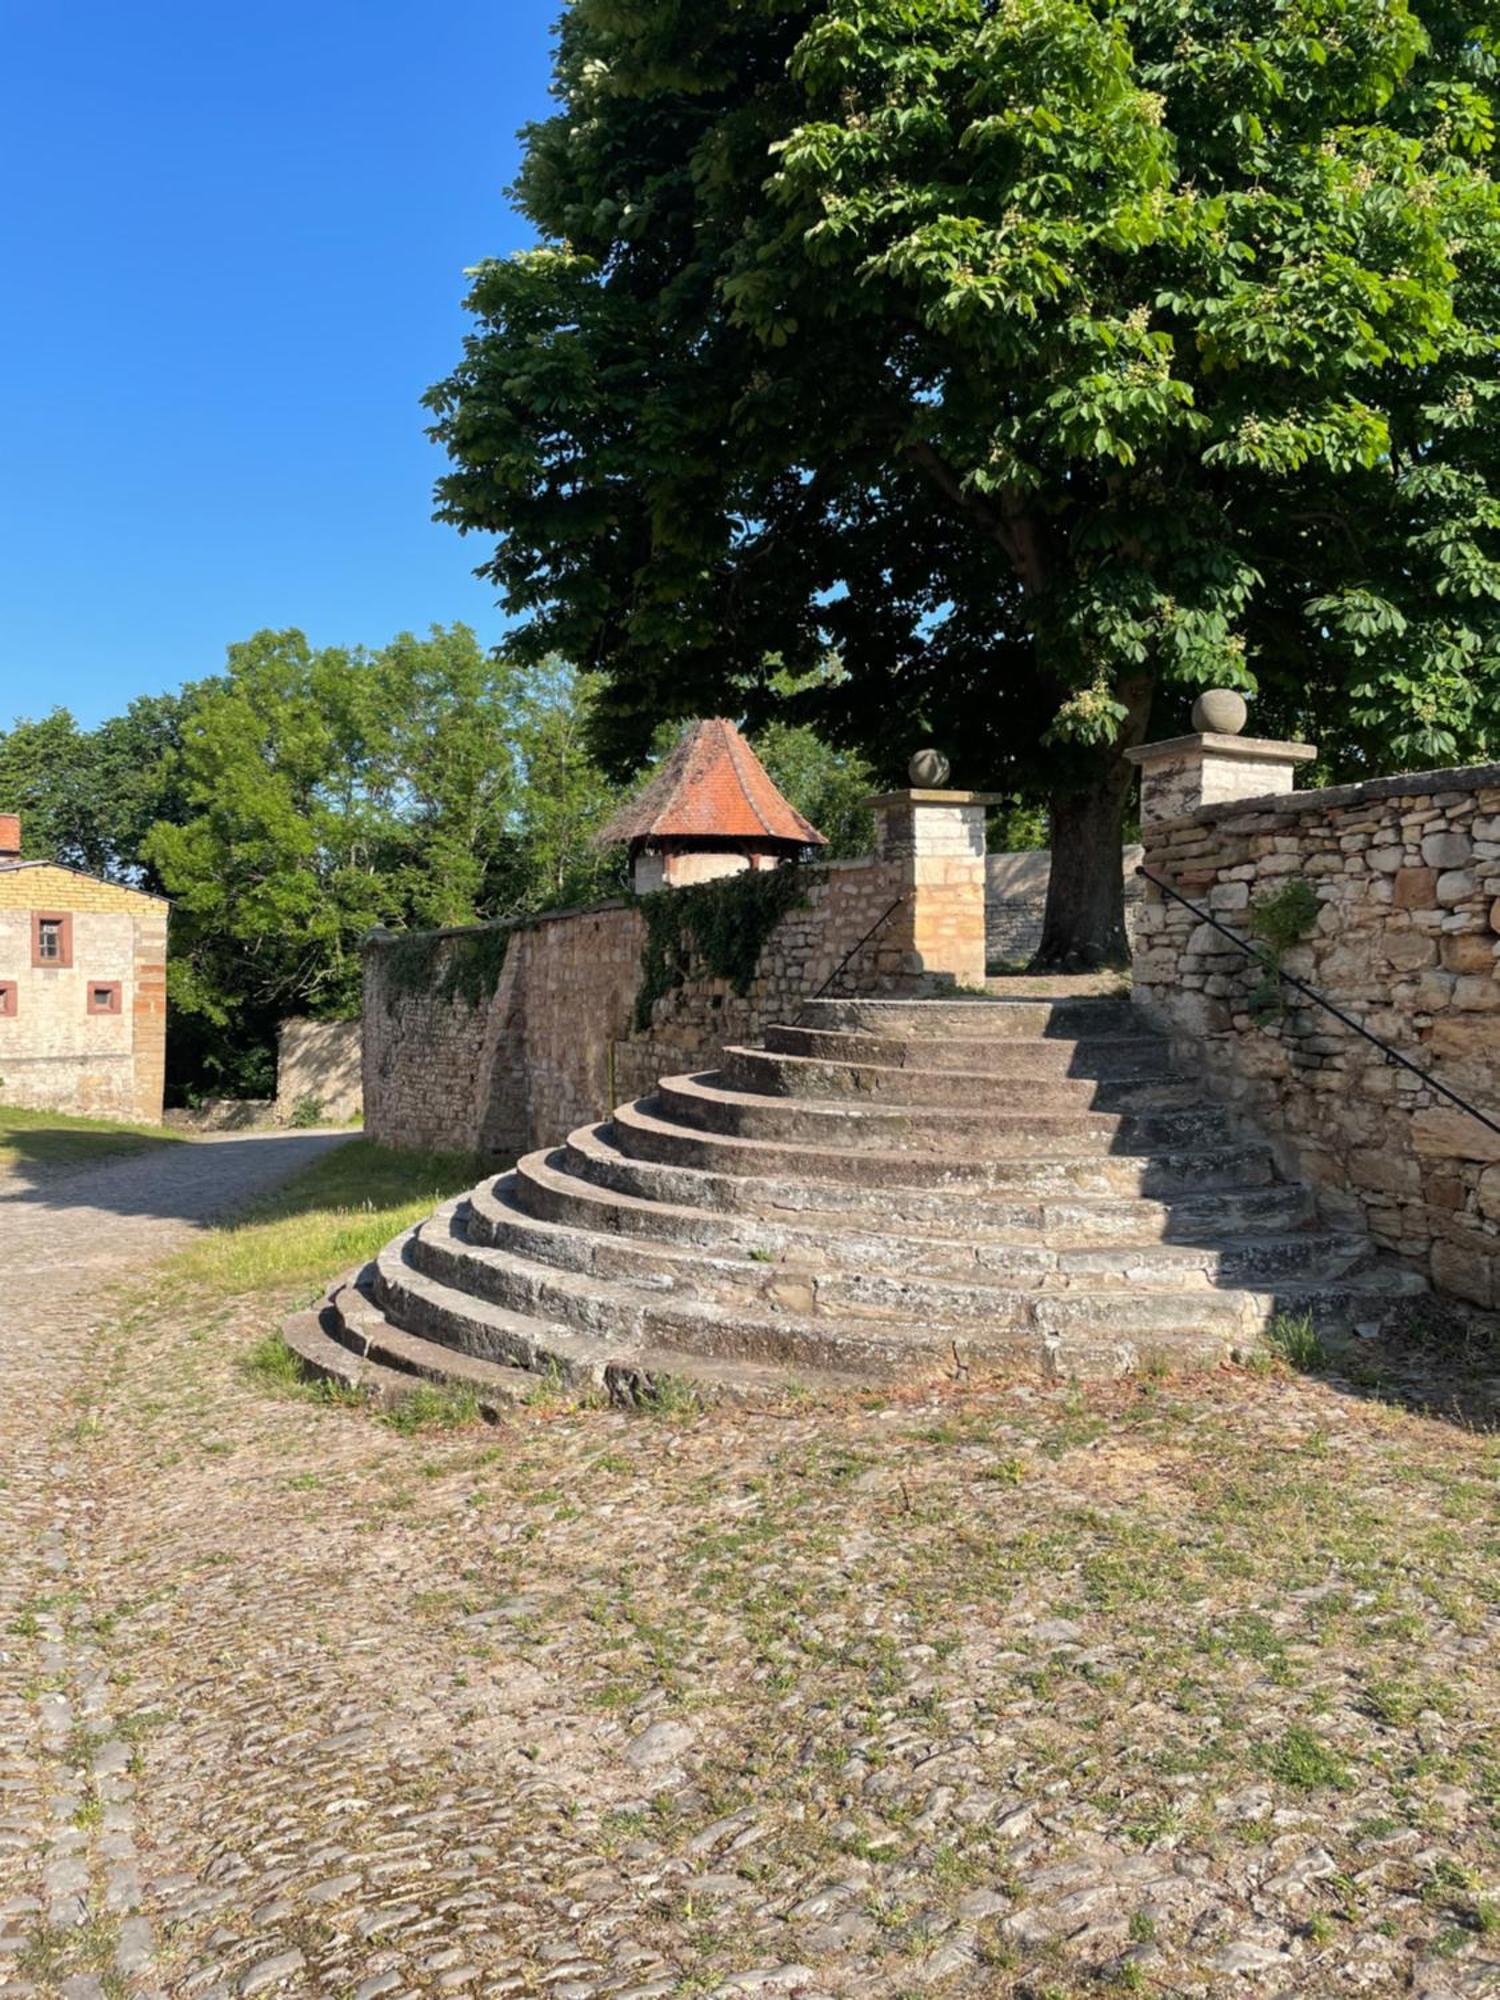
(1247,749)
(921,798)
(379,936)
(1288,805)
(372,939)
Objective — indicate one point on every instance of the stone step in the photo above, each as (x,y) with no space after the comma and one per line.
(814,1275)
(413,1286)
(592,1155)
(1108,1057)
(899,1342)
(986,1017)
(707,1104)
(641,1130)
(358,1324)
(307,1335)
(771,1073)
(497,1304)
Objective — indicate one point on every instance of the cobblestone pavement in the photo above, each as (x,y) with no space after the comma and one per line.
(70,1890)
(1178,1690)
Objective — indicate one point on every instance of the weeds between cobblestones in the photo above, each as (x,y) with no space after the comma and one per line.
(1166,1689)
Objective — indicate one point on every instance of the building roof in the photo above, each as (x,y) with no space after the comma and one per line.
(711,785)
(82,875)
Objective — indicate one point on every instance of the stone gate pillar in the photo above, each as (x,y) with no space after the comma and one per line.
(935,840)
(1210,769)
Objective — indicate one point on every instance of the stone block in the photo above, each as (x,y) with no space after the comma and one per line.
(1408,951)
(1445,1132)
(1469,951)
(1465,1269)
(1455,887)
(1478,995)
(1446,849)
(1416,888)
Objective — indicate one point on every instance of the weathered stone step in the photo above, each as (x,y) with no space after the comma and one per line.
(989,1019)
(770,1073)
(592,1154)
(421,1297)
(307,1335)
(357,1322)
(813,1276)
(898,1342)
(705,1103)
(699,1123)
(438,1280)
(1106,1057)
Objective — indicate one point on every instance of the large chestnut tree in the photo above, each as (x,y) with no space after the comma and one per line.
(1044,361)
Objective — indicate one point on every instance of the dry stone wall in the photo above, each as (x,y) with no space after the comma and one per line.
(1406,872)
(555,1044)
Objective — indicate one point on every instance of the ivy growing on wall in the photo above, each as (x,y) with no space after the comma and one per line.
(1279,921)
(446,966)
(719,929)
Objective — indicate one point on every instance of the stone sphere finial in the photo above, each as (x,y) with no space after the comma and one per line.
(1219,712)
(928,770)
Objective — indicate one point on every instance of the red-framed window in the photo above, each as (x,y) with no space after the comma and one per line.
(51,939)
(104,996)
(10,998)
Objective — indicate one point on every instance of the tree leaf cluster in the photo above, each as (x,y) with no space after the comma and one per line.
(1042,361)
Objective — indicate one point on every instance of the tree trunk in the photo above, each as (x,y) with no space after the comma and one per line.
(1084,925)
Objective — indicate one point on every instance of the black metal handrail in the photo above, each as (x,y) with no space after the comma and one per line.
(854,949)
(1261,958)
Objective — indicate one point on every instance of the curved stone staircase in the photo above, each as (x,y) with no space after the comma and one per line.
(891,1190)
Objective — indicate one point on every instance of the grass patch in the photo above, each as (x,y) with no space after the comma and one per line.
(1294,1339)
(333,1215)
(52,1142)
(433,1408)
(1306,1763)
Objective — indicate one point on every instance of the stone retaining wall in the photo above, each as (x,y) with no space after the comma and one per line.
(555,1046)
(1407,941)
(318,1063)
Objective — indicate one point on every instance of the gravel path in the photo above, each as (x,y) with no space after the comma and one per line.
(70,1891)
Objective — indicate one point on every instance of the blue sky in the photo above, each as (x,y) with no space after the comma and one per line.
(232,242)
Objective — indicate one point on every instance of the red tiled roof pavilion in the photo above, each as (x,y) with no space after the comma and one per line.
(711,787)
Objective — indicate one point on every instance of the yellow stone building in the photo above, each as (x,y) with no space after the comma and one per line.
(83,990)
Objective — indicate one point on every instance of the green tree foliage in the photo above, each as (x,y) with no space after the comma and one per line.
(304,794)
(827,786)
(88,797)
(564,795)
(1044,360)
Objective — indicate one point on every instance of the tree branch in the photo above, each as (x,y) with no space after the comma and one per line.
(1008,525)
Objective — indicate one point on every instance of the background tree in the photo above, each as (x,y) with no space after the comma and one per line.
(87,797)
(1045,360)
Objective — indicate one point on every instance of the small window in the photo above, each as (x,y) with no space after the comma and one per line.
(51,940)
(104,996)
(8,998)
